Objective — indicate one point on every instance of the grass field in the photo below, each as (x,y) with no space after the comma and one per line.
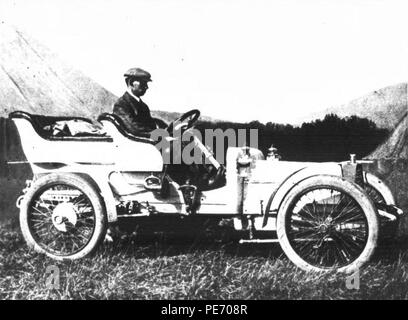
(202,267)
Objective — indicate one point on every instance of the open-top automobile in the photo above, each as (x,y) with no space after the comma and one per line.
(325,216)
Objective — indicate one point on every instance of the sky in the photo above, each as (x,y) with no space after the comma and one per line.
(234,60)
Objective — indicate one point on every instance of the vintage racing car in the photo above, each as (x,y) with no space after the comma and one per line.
(325,216)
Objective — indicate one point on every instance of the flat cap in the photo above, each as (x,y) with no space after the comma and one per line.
(138,73)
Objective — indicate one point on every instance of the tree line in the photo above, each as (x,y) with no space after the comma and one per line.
(330,139)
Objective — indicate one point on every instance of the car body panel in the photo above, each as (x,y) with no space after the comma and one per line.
(254,187)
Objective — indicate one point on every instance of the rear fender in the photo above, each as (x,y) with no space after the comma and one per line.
(96,175)
(102,185)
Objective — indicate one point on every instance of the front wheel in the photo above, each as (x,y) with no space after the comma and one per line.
(326,223)
(63,216)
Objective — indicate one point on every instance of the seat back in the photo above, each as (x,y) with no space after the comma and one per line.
(40,146)
(133,153)
(120,126)
(42,125)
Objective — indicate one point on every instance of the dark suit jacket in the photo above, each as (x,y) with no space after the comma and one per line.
(136,116)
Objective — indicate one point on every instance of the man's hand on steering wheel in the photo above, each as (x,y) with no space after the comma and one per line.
(185,122)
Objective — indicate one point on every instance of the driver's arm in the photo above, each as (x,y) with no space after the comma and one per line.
(160,123)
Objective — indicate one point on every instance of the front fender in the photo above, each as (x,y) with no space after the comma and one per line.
(276,199)
(380,186)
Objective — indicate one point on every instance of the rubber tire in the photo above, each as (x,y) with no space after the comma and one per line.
(345,186)
(84,186)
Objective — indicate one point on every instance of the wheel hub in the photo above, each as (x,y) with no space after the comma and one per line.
(326,226)
(63,215)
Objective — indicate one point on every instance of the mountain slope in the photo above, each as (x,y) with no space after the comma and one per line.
(33,79)
(396,146)
(385,107)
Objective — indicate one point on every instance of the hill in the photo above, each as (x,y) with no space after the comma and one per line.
(396,146)
(385,107)
(33,79)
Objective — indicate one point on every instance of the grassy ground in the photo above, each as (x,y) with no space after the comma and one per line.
(199,268)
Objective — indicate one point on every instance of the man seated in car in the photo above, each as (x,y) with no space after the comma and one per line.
(130,108)
(136,118)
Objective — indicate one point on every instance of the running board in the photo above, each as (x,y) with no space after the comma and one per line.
(243,241)
(155,214)
(135,215)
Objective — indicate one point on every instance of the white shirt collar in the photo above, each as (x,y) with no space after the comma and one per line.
(136,97)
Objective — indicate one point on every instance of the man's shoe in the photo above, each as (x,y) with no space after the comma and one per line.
(218,180)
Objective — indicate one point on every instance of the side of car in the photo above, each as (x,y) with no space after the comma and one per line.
(320,214)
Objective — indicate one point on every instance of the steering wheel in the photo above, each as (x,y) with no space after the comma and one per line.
(186,121)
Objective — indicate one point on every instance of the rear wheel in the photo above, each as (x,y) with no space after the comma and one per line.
(327,223)
(63,216)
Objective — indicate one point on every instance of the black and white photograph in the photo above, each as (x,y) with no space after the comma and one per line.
(203,154)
